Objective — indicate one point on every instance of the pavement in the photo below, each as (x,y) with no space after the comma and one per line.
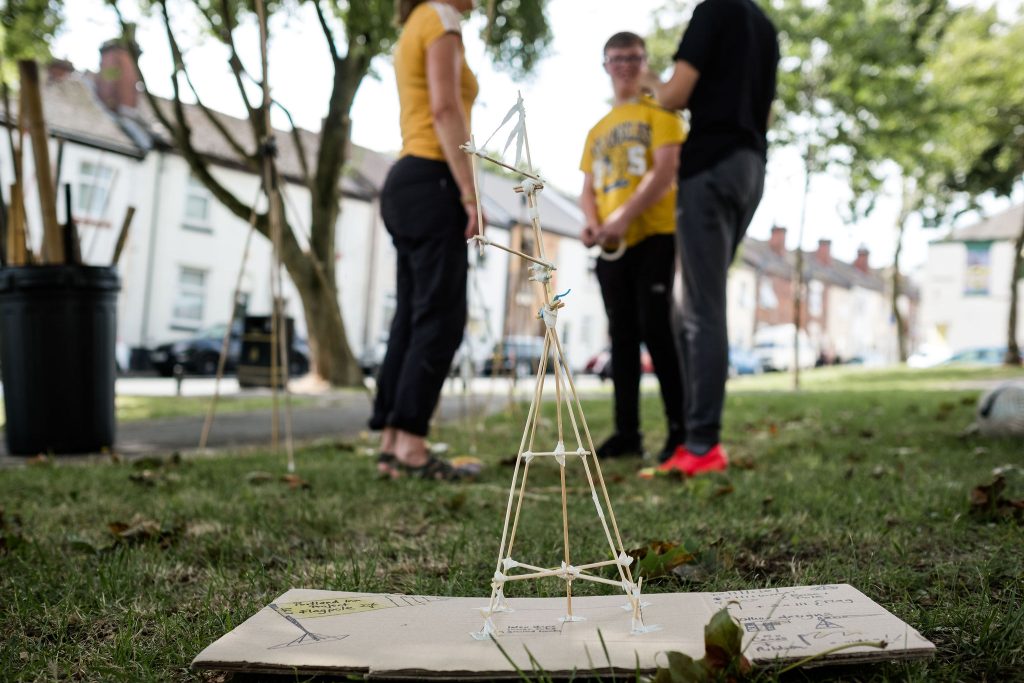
(326,415)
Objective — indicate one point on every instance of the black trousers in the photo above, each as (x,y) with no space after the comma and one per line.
(422,211)
(637,292)
(715,207)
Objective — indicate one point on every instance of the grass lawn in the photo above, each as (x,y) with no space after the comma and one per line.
(131,408)
(863,478)
(152,407)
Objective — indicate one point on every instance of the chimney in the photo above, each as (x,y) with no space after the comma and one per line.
(824,252)
(861,263)
(117,84)
(777,241)
(58,70)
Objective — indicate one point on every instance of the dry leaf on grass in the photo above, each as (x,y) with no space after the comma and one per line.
(11,536)
(988,502)
(143,530)
(659,558)
(258,478)
(296,482)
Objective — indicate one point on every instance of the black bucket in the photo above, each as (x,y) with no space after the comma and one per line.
(58,326)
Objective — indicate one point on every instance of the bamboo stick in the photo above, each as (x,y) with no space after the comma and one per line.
(16,255)
(122,236)
(32,104)
(72,246)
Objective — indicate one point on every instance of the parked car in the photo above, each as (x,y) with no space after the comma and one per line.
(600,364)
(518,354)
(985,355)
(927,356)
(744,362)
(199,355)
(774,347)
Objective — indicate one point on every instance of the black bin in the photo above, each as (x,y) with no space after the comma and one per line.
(254,360)
(58,326)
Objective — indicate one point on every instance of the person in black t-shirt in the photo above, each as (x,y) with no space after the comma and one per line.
(725,72)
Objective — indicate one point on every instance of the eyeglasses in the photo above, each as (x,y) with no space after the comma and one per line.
(624,59)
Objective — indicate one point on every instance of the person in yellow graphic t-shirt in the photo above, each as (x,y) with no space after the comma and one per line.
(429,210)
(629,165)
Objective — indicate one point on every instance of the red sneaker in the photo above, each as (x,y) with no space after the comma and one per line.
(686,463)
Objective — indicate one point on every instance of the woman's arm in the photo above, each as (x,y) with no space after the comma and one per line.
(444,76)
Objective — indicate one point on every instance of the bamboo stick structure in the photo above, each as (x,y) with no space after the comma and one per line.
(508,569)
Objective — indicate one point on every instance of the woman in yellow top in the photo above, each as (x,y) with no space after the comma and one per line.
(429,209)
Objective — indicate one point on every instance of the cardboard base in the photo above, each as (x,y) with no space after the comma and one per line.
(399,636)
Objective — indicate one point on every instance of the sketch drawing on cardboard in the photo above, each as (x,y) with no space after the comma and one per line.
(307,637)
(567,401)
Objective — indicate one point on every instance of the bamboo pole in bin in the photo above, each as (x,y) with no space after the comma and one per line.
(122,237)
(32,105)
(16,251)
(72,246)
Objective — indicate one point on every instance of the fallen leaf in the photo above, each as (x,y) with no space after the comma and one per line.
(723,490)
(295,482)
(143,530)
(196,529)
(258,478)
(136,531)
(659,558)
(456,502)
(145,477)
(988,502)
(11,536)
(744,462)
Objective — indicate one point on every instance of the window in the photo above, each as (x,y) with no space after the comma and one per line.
(745,298)
(197,206)
(188,308)
(94,184)
(815,298)
(979,268)
(766,295)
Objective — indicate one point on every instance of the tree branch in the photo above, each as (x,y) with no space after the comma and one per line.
(217,123)
(238,70)
(297,141)
(182,135)
(332,44)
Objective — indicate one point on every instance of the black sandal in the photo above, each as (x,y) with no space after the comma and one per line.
(387,465)
(435,469)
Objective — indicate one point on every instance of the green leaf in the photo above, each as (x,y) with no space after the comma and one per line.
(723,656)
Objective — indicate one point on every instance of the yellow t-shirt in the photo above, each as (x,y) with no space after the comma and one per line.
(427,22)
(620,150)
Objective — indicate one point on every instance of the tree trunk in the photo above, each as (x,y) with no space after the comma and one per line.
(330,354)
(1012,347)
(897,316)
